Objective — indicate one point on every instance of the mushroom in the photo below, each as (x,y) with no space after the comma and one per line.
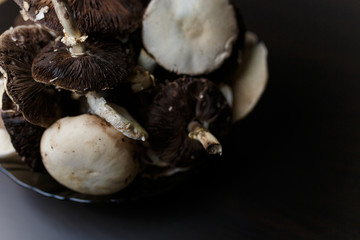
(25,137)
(191,38)
(93,17)
(181,117)
(88,67)
(6,148)
(250,77)
(103,65)
(87,155)
(40,104)
(76,65)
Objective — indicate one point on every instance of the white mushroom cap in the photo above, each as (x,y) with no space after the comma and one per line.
(88,155)
(190,37)
(250,78)
(6,147)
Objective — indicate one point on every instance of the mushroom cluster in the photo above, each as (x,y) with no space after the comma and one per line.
(101,94)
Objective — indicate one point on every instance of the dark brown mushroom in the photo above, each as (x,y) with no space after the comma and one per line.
(92,16)
(183,110)
(79,65)
(25,137)
(103,65)
(40,104)
(108,16)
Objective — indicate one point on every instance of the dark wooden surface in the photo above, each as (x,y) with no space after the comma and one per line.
(293,168)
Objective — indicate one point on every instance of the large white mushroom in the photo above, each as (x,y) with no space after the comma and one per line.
(6,148)
(88,155)
(190,37)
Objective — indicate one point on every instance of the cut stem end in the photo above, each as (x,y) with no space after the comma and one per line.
(206,138)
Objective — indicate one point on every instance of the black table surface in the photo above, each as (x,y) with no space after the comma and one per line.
(295,160)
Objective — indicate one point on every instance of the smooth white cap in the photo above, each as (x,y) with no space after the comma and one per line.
(190,37)
(88,155)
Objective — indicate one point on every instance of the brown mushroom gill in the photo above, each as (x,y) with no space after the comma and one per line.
(40,104)
(25,137)
(175,108)
(104,65)
(92,16)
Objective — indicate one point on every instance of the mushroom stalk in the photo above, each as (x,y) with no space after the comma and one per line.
(117,116)
(141,79)
(206,138)
(73,37)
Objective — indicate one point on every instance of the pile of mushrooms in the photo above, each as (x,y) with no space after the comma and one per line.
(100,94)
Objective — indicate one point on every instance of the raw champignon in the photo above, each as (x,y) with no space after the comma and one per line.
(92,16)
(192,37)
(80,64)
(187,106)
(40,104)
(103,65)
(87,155)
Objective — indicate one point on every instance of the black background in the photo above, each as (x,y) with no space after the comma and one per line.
(292,170)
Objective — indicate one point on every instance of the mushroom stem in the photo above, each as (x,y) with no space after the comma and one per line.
(141,79)
(73,37)
(206,138)
(117,116)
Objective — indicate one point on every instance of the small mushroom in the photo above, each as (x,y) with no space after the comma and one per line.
(88,155)
(181,117)
(190,38)
(250,78)
(40,104)
(76,65)
(6,147)
(91,16)
(25,137)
